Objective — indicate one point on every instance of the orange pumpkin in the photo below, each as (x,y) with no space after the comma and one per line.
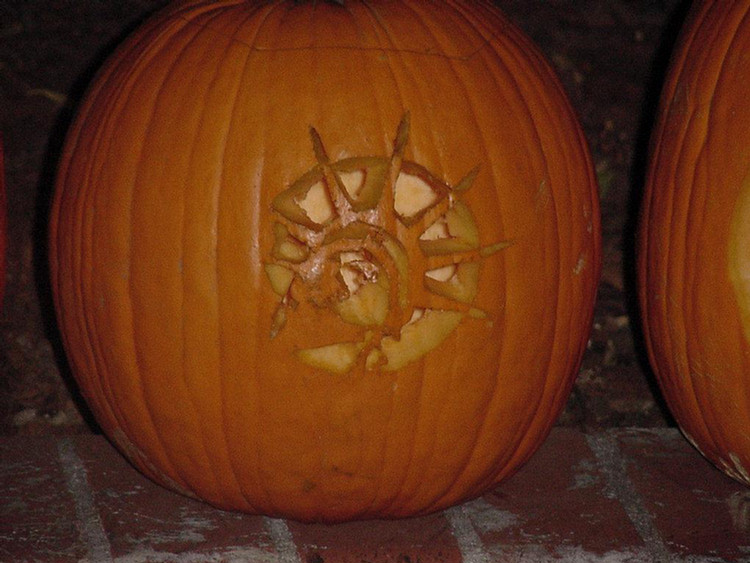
(694,262)
(326,261)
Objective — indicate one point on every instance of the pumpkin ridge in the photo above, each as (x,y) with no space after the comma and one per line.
(111,403)
(714,430)
(103,396)
(219,460)
(181,41)
(382,489)
(228,463)
(189,392)
(103,401)
(683,269)
(252,481)
(134,452)
(689,273)
(436,497)
(531,419)
(513,52)
(666,299)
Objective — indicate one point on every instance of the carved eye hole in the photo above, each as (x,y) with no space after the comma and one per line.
(307,202)
(362,180)
(353,182)
(416,191)
(316,204)
(413,196)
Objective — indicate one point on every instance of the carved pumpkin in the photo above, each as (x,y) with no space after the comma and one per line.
(694,262)
(326,261)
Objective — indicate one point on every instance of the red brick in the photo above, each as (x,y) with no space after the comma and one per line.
(556,507)
(147,522)
(424,540)
(37,514)
(696,509)
(620,495)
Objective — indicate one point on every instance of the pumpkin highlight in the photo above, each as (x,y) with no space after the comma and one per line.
(326,261)
(695,224)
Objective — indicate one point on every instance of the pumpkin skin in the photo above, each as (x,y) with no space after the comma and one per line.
(693,246)
(181,188)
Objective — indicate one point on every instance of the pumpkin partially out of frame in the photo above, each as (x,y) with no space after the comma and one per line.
(694,261)
(326,261)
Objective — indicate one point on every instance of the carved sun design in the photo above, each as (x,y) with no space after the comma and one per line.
(351,238)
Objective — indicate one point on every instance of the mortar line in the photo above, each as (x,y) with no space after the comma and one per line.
(469,543)
(91,529)
(283,541)
(611,462)
(234,554)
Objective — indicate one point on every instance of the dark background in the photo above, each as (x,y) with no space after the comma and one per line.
(610,54)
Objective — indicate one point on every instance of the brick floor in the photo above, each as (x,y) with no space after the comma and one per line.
(625,495)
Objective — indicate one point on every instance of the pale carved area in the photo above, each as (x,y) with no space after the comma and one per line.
(335,247)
